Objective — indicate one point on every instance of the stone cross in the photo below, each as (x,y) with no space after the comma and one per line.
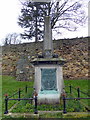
(48,47)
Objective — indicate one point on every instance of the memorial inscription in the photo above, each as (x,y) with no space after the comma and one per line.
(48,79)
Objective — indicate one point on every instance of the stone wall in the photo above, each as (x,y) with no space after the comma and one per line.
(75,51)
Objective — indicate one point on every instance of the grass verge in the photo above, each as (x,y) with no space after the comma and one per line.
(10,85)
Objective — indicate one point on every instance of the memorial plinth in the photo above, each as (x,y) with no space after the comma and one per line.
(48,82)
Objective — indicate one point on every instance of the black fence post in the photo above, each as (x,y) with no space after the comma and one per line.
(78,91)
(35,111)
(64,104)
(19,94)
(6,105)
(31,102)
(26,89)
(70,89)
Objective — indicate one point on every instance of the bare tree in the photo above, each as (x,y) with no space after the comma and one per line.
(12,38)
(66,14)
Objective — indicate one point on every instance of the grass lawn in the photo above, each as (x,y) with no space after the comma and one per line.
(83,86)
(0,97)
(10,86)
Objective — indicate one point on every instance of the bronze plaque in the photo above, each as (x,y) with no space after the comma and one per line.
(48,79)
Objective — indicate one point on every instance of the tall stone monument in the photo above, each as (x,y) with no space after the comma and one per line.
(48,82)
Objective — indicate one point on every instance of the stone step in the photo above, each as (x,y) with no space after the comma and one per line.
(42,112)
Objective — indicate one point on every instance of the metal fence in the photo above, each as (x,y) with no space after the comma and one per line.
(8,98)
(77,98)
(64,98)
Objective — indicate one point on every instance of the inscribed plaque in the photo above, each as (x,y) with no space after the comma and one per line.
(48,79)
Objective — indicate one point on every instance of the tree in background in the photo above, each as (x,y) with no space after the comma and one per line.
(66,14)
(12,38)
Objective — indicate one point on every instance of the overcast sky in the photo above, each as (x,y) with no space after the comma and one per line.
(9,12)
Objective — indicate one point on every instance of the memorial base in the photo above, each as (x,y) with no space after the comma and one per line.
(49,97)
(48,81)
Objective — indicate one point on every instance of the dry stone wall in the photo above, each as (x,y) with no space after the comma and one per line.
(75,51)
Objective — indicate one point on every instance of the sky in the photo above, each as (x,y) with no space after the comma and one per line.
(9,12)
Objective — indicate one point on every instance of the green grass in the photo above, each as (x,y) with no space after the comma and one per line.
(78,105)
(10,86)
(83,84)
(0,97)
